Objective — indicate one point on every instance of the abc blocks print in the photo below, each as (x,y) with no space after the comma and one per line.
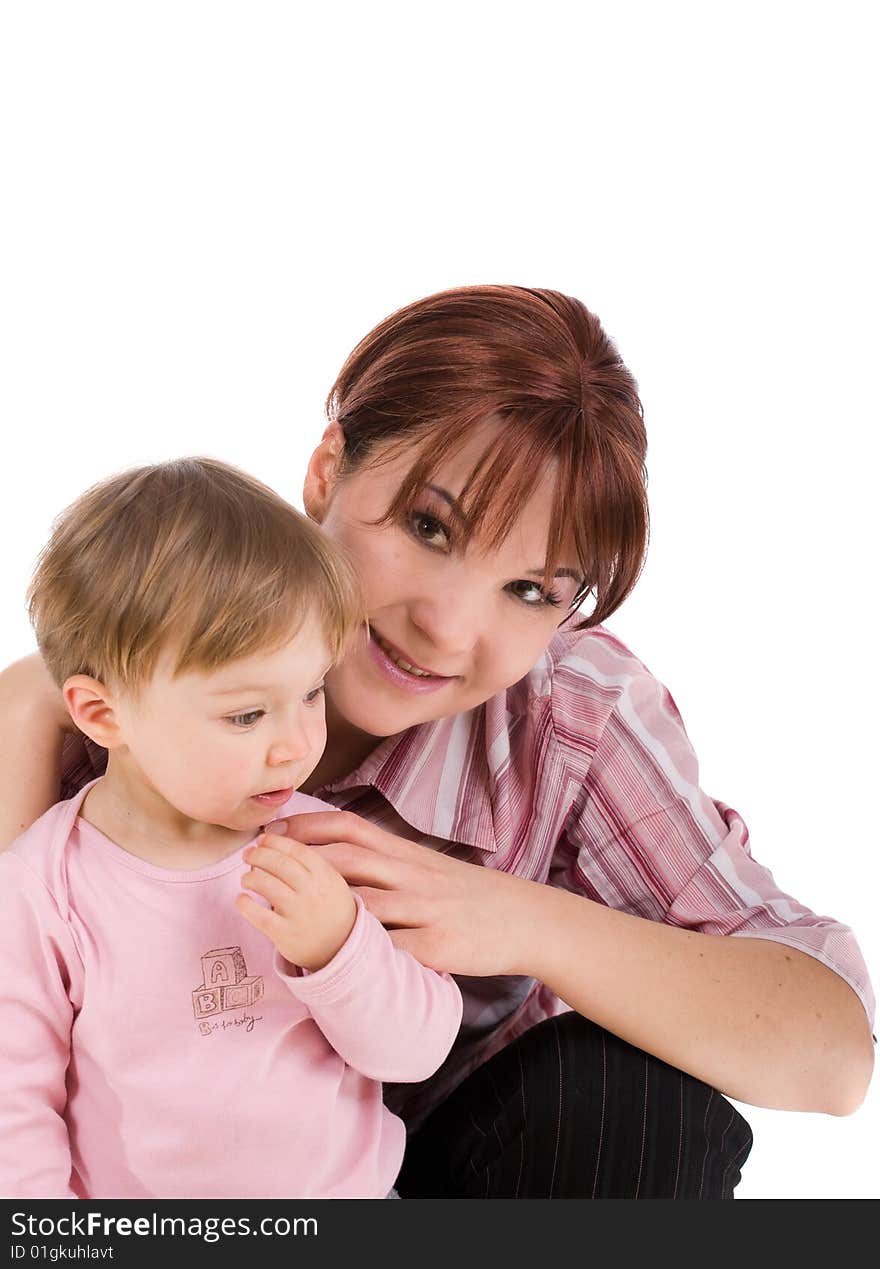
(211,1000)
(225,983)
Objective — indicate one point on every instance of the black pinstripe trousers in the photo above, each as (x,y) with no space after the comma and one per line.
(571,1111)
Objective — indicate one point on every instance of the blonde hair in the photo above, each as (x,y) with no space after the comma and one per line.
(193,553)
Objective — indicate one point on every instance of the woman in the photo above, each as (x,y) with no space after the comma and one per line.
(519,800)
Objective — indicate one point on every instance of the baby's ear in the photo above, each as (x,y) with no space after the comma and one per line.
(91,706)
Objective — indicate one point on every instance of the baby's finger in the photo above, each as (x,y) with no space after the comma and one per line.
(288,846)
(285,867)
(254,912)
(275,892)
(262,919)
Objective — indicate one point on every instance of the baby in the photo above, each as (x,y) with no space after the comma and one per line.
(186,1014)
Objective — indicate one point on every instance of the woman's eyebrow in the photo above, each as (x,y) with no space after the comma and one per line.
(560,572)
(530,572)
(446,496)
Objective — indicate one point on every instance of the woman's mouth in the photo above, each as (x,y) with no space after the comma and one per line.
(391,652)
(399,670)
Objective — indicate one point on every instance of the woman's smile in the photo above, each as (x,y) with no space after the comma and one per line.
(398,669)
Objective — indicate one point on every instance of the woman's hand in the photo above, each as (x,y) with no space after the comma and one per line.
(452,916)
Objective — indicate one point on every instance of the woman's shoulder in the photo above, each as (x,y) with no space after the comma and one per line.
(585,677)
(594,662)
(594,654)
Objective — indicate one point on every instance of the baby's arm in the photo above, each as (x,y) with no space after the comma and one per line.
(385,1014)
(37,965)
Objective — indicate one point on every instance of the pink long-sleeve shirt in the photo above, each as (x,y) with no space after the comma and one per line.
(154,1045)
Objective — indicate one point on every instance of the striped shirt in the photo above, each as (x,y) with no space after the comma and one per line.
(581,776)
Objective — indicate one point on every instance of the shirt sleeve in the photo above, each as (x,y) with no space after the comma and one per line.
(644,838)
(38,962)
(384,1013)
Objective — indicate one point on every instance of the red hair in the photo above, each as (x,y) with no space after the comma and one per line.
(537,363)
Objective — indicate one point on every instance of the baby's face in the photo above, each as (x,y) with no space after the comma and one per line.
(229,747)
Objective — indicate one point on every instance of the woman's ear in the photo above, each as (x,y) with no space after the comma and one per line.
(322,471)
(90,705)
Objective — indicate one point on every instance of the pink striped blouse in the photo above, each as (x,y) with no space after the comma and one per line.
(581,776)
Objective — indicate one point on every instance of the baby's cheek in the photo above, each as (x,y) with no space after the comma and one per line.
(238,773)
(220,775)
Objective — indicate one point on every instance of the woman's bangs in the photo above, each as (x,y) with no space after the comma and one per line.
(500,484)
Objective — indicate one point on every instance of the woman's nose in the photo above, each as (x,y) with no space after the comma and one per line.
(449,624)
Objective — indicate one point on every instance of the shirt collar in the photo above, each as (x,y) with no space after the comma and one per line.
(437,778)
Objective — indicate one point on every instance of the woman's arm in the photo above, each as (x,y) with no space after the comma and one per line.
(34,721)
(760,1021)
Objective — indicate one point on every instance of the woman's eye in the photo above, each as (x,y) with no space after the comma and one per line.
(534,597)
(246,720)
(313,695)
(426,527)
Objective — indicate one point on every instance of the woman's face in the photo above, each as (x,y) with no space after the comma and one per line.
(450,626)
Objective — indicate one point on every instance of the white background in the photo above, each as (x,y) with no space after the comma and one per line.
(206,205)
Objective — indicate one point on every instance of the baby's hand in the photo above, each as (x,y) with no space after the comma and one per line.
(313,910)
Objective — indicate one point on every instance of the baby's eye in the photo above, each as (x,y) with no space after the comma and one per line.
(533,596)
(424,527)
(313,695)
(246,720)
